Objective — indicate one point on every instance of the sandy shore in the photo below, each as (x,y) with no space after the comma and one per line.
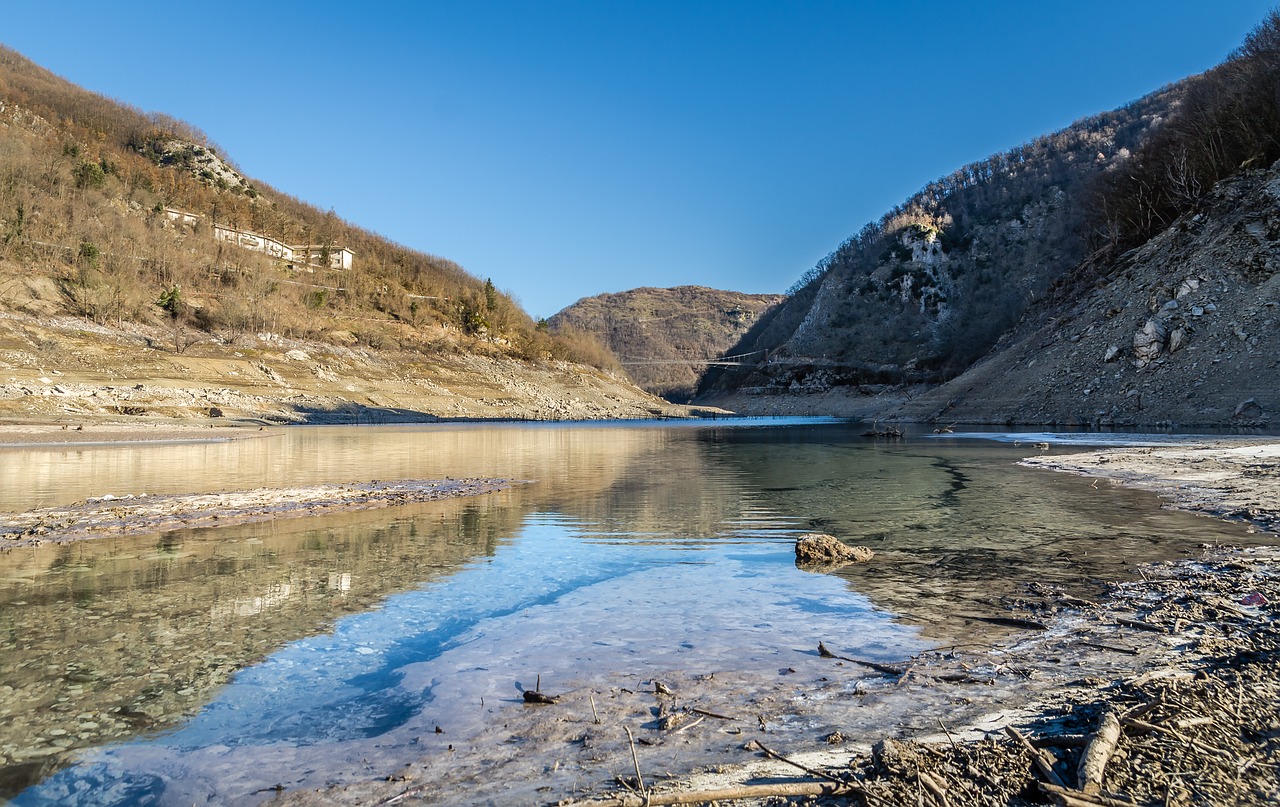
(1225,479)
(134,515)
(92,433)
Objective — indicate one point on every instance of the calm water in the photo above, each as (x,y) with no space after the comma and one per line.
(213,665)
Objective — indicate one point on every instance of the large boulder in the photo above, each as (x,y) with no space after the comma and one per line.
(815,548)
(1149,341)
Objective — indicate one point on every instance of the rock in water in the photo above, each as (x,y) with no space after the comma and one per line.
(819,548)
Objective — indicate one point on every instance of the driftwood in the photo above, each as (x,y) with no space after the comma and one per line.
(1009,622)
(724,794)
(873,665)
(1182,738)
(936,789)
(890,431)
(1097,753)
(1140,625)
(1129,651)
(794,764)
(1066,797)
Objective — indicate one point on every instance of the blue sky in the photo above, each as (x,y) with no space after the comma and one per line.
(565,149)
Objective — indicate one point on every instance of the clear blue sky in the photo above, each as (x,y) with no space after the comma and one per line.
(565,149)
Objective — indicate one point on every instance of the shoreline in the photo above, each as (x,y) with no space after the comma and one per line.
(89,433)
(142,514)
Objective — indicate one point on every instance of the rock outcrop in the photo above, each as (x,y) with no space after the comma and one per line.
(820,549)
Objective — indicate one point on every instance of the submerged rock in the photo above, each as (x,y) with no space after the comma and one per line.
(819,548)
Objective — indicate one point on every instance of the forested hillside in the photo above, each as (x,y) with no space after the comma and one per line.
(660,335)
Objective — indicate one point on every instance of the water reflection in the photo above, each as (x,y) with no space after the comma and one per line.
(103,639)
(632,548)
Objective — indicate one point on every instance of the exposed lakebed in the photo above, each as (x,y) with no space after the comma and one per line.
(217,664)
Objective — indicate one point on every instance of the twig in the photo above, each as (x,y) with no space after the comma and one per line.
(1113,648)
(881,668)
(794,764)
(1140,625)
(1142,725)
(950,739)
(634,759)
(1008,622)
(594,713)
(706,713)
(688,726)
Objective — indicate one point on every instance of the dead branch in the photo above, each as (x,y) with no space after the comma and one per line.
(1140,625)
(936,789)
(726,794)
(873,665)
(1066,797)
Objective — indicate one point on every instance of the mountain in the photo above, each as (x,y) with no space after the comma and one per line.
(131,248)
(661,335)
(1117,221)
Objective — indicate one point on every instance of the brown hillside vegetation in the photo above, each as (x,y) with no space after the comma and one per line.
(656,333)
(88,231)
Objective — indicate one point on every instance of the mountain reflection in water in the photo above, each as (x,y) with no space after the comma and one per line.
(295,652)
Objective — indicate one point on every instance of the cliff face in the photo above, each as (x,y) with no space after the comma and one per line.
(660,334)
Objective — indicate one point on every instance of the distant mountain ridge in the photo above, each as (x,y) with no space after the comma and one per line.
(660,334)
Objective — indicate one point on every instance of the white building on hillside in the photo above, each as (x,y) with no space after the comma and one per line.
(318,256)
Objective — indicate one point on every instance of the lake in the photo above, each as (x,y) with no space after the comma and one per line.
(233,664)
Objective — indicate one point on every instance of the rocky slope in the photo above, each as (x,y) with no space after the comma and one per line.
(1184,332)
(119,300)
(654,331)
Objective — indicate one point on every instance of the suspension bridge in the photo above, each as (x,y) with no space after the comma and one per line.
(718,361)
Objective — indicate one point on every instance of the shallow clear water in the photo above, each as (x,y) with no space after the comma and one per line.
(213,665)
